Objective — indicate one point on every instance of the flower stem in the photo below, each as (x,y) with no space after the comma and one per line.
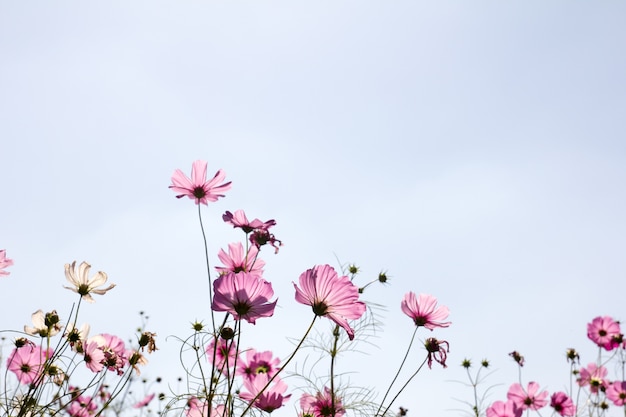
(397,373)
(306,334)
(333,355)
(405,384)
(208,267)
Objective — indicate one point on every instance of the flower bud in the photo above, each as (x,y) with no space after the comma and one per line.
(227,333)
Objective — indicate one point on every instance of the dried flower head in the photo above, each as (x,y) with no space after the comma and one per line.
(517,357)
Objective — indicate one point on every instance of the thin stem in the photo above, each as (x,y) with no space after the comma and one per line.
(405,385)
(474,383)
(306,334)
(213,382)
(208,267)
(406,354)
(333,355)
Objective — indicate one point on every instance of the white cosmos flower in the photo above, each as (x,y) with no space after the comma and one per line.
(77,336)
(45,324)
(79,277)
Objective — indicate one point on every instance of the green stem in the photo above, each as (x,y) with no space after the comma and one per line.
(306,334)
(405,385)
(406,354)
(208,267)
(333,355)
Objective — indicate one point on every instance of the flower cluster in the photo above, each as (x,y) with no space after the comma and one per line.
(47,363)
(240,379)
(45,366)
(595,392)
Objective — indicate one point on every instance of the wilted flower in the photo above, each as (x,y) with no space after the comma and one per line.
(437,351)
(136,358)
(517,357)
(147,339)
(84,286)
(572,355)
(261,237)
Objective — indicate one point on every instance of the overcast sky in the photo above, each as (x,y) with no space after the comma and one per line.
(474,150)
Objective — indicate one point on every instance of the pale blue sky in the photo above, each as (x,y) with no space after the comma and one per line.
(474,150)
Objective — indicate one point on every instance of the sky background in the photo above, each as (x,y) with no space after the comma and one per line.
(474,150)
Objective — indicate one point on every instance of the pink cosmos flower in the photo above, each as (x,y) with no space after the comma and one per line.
(562,404)
(529,398)
(82,406)
(197,408)
(237,260)
(144,402)
(424,311)
(330,295)
(616,392)
(437,351)
(593,376)
(84,286)
(197,187)
(224,354)
(605,332)
(26,362)
(4,262)
(239,219)
(93,356)
(256,363)
(504,409)
(244,295)
(321,405)
(114,350)
(271,399)
(104,394)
